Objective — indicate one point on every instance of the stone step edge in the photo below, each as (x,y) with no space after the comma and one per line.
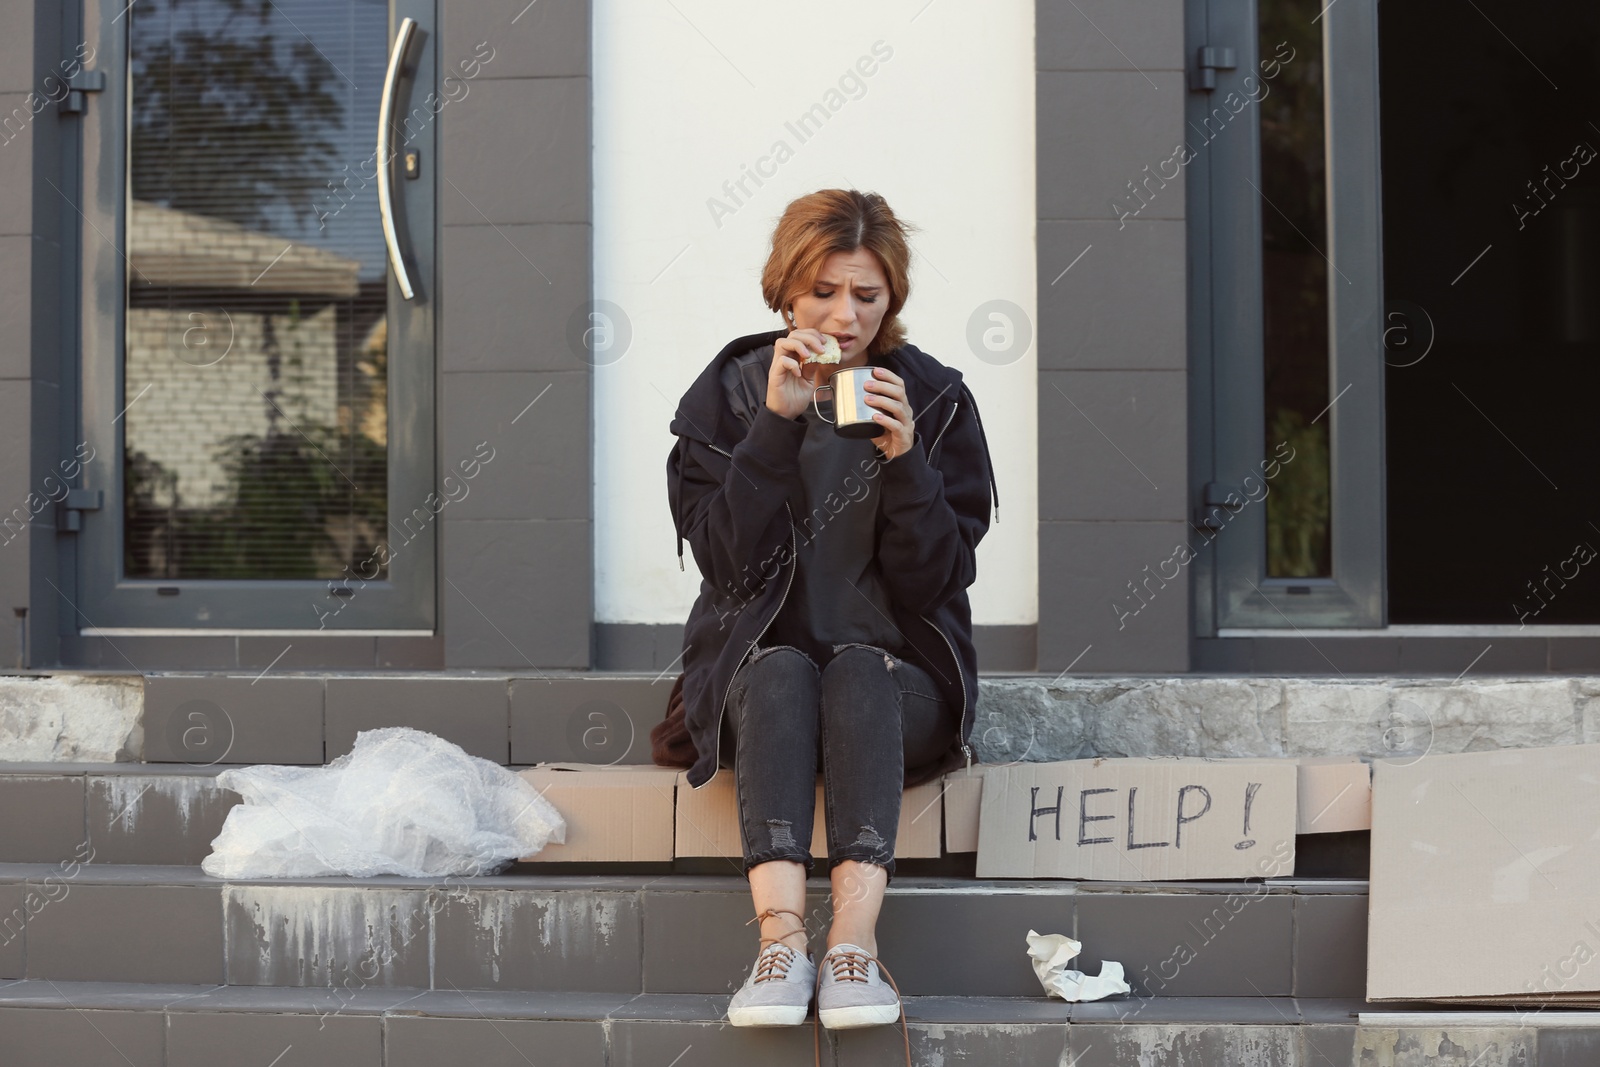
(79,995)
(1020,716)
(703,1007)
(706,1007)
(163,875)
(131,769)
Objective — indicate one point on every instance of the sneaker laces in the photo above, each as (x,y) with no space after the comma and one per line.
(850,965)
(773,963)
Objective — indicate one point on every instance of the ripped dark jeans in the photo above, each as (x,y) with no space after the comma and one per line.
(864,717)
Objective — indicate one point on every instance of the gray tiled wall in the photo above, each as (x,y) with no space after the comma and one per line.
(28,259)
(1113,444)
(516,586)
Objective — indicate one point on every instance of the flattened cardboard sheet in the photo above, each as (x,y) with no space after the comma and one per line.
(1335,794)
(613,813)
(1485,878)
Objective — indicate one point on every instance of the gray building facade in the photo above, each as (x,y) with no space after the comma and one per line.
(1167,315)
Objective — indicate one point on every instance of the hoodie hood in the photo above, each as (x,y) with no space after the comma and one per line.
(704,415)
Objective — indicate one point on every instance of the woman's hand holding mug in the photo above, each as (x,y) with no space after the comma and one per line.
(886,392)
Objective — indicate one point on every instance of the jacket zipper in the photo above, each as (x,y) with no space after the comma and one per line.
(961,724)
(722,709)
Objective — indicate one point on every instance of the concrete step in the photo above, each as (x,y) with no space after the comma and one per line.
(111,812)
(169,814)
(46,1024)
(660,934)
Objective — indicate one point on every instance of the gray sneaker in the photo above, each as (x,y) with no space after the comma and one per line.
(852,992)
(777,991)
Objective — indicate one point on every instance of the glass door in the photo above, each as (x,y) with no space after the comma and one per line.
(257,326)
(1288,521)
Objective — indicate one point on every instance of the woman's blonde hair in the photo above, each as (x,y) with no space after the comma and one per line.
(815,226)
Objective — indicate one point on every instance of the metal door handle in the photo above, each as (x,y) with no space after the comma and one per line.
(391,83)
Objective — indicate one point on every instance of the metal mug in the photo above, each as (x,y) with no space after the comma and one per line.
(852,415)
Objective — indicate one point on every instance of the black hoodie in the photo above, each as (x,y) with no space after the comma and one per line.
(728,486)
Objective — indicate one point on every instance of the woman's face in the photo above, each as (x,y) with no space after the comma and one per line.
(847,301)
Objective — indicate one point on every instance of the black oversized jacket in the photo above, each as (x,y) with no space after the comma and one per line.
(728,486)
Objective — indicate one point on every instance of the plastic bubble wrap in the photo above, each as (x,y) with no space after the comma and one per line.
(401,802)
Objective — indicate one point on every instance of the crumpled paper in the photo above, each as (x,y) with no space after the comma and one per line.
(1050,954)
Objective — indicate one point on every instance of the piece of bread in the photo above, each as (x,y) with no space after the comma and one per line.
(830,351)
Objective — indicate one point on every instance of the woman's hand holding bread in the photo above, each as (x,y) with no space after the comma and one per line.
(789,385)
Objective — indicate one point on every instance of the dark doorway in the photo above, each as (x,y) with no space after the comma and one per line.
(1490,121)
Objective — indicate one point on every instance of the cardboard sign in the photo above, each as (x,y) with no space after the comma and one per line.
(1138,819)
(708,819)
(1483,879)
(613,813)
(1335,794)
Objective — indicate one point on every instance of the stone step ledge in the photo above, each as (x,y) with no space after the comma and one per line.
(525,717)
(91,1024)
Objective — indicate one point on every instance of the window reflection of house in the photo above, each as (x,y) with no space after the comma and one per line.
(255,430)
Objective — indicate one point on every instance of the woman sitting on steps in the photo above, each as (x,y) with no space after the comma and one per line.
(832,627)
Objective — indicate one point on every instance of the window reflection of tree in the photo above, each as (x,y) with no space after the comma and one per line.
(238,117)
(229,119)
